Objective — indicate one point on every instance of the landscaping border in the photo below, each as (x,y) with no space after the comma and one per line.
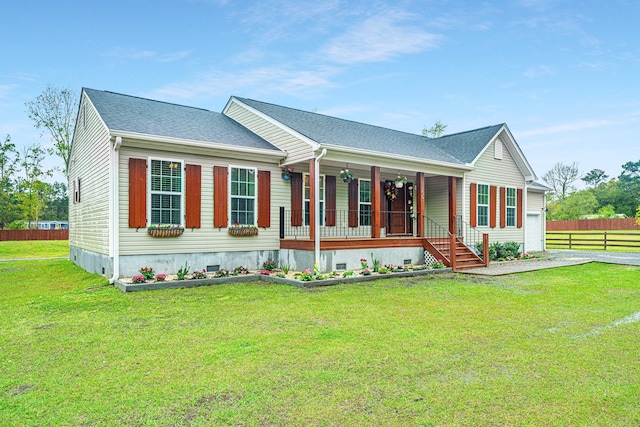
(191,283)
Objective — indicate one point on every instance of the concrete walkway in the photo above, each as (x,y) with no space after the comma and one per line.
(555,258)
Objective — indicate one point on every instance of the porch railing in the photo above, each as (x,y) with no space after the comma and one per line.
(340,224)
(472,238)
(433,230)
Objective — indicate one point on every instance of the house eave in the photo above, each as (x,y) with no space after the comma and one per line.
(198,144)
(381,155)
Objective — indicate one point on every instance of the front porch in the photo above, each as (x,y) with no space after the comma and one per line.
(400,240)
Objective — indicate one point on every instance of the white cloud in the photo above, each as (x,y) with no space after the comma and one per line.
(567,127)
(137,54)
(5,89)
(259,80)
(380,38)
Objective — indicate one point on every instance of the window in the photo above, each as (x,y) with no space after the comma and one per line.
(243,196)
(483,205)
(166,192)
(365,201)
(511,207)
(306,193)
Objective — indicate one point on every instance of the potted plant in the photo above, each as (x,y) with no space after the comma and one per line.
(400,180)
(243,230)
(165,230)
(347,176)
(286,173)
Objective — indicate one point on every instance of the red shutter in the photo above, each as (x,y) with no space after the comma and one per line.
(220,197)
(137,193)
(193,195)
(493,206)
(473,208)
(503,207)
(353,203)
(519,208)
(296,199)
(264,199)
(330,201)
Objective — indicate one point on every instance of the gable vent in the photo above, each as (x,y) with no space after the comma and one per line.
(498,149)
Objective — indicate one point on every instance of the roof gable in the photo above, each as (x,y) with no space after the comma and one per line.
(127,113)
(327,130)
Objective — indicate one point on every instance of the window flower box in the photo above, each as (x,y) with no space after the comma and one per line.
(243,230)
(165,230)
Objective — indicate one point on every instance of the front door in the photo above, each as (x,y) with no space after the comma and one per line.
(399,222)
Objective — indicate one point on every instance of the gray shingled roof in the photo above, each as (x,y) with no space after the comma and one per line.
(138,115)
(334,131)
(465,146)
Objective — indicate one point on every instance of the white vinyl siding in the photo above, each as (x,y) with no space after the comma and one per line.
(207,238)
(500,173)
(296,148)
(89,219)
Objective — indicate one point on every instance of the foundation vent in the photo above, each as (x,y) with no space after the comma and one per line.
(341,266)
(213,268)
(406,262)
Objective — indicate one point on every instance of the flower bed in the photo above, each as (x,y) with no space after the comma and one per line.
(304,279)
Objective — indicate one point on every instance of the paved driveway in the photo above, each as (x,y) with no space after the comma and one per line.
(556,258)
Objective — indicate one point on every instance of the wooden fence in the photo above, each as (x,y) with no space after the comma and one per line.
(598,240)
(6,235)
(593,224)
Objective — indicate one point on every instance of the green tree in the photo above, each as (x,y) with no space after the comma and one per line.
(573,206)
(435,131)
(607,211)
(55,110)
(561,178)
(58,206)
(595,177)
(9,159)
(629,183)
(34,193)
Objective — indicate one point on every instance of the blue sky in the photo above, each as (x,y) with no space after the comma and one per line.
(564,75)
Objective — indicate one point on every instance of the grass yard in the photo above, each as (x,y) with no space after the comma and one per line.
(34,249)
(555,348)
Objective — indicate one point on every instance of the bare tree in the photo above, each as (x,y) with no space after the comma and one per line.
(435,131)
(55,109)
(561,177)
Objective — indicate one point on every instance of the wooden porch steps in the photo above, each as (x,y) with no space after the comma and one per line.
(465,257)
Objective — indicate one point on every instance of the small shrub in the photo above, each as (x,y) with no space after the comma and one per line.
(285,268)
(306,275)
(242,269)
(269,265)
(147,272)
(199,274)
(139,278)
(161,277)
(281,275)
(511,249)
(347,273)
(437,264)
(183,271)
(382,270)
(221,273)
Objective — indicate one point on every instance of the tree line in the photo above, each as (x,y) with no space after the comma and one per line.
(604,197)
(27,196)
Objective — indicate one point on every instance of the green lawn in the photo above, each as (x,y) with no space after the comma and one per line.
(555,348)
(34,249)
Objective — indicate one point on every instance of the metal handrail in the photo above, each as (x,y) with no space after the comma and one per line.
(470,236)
(341,219)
